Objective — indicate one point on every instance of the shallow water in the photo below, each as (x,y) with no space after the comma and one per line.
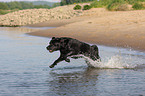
(24,70)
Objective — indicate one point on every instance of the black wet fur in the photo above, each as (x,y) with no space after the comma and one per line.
(70,47)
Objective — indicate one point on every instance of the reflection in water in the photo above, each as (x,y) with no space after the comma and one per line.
(18,29)
(15,32)
(81,83)
(95,82)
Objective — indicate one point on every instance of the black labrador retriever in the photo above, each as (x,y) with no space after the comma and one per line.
(71,47)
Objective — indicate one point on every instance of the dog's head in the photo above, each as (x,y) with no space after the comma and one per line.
(54,44)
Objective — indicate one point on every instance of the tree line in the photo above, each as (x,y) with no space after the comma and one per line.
(66,2)
(20,5)
(29,5)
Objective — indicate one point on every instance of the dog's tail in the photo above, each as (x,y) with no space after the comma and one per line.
(95,52)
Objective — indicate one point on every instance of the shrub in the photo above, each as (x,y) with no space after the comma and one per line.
(77,7)
(138,6)
(87,7)
(117,5)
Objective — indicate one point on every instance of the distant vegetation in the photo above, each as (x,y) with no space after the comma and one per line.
(87,7)
(6,7)
(67,2)
(77,7)
(119,5)
(25,5)
(41,3)
(112,5)
(138,6)
(100,3)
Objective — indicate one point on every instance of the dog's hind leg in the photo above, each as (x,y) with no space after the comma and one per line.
(67,60)
(94,52)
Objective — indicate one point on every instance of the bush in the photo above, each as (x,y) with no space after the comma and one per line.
(117,5)
(138,6)
(77,7)
(87,7)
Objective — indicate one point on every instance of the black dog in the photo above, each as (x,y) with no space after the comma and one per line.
(70,47)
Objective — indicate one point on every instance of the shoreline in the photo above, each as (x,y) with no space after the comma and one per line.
(118,29)
(99,26)
(10,26)
(107,42)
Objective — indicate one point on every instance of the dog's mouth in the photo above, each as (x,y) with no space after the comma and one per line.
(50,51)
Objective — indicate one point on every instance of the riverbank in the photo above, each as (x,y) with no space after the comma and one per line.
(33,16)
(98,26)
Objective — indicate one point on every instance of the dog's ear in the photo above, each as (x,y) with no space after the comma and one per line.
(53,37)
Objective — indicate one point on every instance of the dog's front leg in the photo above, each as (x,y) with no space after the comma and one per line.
(61,58)
(57,61)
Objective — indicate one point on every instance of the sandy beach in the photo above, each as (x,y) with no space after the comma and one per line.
(99,26)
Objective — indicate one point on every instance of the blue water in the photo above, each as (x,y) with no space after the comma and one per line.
(24,70)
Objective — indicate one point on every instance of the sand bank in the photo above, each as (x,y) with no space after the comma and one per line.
(98,26)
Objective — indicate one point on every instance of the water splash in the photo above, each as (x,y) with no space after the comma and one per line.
(113,62)
(118,60)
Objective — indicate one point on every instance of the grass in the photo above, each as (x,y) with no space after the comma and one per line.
(100,3)
(3,12)
(134,1)
(119,5)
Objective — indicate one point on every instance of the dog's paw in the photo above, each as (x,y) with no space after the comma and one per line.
(51,66)
(67,60)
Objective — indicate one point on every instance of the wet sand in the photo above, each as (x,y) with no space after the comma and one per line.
(98,26)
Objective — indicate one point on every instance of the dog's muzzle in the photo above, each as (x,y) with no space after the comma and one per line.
(50,51)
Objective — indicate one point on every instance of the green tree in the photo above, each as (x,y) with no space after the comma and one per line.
(66,2)
(27,5)
(3,6)
(56,4)
(14,5)
(41,6)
